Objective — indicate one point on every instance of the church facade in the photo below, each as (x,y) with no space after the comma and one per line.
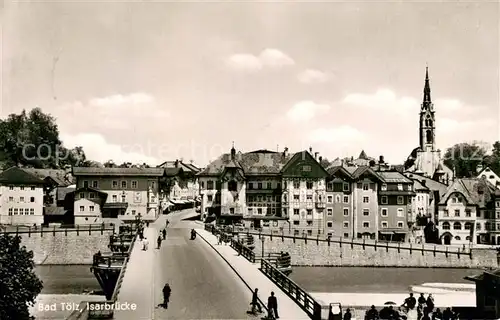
(426,159)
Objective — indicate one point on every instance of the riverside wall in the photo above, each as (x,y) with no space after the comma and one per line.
(65,247)
(370,253)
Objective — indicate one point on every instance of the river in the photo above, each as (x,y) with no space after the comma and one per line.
(374,280)
(67,279)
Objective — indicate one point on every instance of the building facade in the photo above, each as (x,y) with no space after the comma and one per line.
(488,174)
(184,179)
(467,213)
(21,197)
(127,193)
(339,206)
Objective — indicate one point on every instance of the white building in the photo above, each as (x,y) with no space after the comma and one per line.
(488,174)
(21,197)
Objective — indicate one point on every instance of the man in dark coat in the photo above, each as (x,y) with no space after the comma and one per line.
(410,302)
(272,306)
(255,301)
(372,314)
(166,295)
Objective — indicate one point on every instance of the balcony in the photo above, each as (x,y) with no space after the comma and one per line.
(232,211)
(264,191)
(320,205)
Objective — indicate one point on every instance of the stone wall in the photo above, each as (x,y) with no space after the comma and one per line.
(319,252)
(69,247)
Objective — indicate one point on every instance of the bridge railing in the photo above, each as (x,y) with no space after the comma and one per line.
(293,290)
(122,273)
(243,250)
(17,230)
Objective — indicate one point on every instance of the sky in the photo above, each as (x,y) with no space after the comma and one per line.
(155,81)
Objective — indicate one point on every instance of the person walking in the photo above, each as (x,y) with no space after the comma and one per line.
(164,232)
(272,306)
(410,302)
(166,295)
(159,242)
(255,302)
(145,244)
(430,303)
(347,314)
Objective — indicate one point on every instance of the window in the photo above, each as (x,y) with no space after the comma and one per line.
(210,185)
(11,211)
(468,226)
(33,188)
(32,199)
(306,168)
(231,210)
(11,187)
(384,212)
(309,212)
(15,211)
(123,198)
(401,212)
(259,210)
(210,198)
(202,184)
(457,238)
(365,186)
(366,212)
(400,224)
(11,199)
(269,185)
(467,213)
(296,223)
(383,187)
(366,224)
(91,208)
(329,211)
(295,212)
(309,223)
(457,226)
(309,197)
(366,199)
(82,208)
(346,199)
(95,184)
(21,211)
(346,235)
(400,200)
(346,212)
(133,212)
(330,199)
(309,232)
(446,213)
(21,199)
(309,184)
(134,184)
(124,184)
(478,226)
(345,186)
(114,184)
(278,185)
(329,224)
(346,225)
(296,184)
(329,187)
(384,224)
(384,199)
(85,184)
(457,213)
(400,186)
(32,211)
(296,197)
(22,188)
(91,195)
(232,186)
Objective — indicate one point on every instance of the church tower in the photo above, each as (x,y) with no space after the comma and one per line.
(427,126)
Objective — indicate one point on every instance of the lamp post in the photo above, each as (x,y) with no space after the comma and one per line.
(262,239)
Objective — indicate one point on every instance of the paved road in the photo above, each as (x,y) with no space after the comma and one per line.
(203,285)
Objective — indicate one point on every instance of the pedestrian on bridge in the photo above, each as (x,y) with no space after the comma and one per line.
(164,232)
(145,244)
(255,302)
(159,242)
(166,295)
(272,307)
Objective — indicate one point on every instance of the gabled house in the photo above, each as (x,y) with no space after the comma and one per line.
(467,213)
(183,184)
(54,179)
(488,174)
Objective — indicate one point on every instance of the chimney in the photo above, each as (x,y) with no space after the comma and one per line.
(381,160)
(316,156)
(233,153)
(285,152)
(177,163)
(320,159)
(310,150)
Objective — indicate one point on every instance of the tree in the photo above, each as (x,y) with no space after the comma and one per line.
(464,158)
(493,160)
(19,285)
(32,140)
(109,164)
(324,162)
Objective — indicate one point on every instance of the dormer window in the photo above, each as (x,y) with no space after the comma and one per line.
(232,185)
(400,186)
(384,187)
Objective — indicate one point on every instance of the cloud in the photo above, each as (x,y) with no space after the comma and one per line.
(448,126)
(383,100)
(119,100)
(312,76)
(306,110)
(341,134)
(271,58)
(98,149)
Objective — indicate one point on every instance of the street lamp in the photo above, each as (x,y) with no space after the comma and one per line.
(262,239)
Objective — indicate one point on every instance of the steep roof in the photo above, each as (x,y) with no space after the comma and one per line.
(393,177)
(260,162)
(418,186)
(476,191)
(179,164)
(363,155)
(172,172)
(87,171)
(54,211)
(433,185)
(15,175)
(62,192)
(490,170)
(59,176)
(359,171)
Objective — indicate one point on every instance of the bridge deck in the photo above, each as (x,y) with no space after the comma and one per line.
(287,308)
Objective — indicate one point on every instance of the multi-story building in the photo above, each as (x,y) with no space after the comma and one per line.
(466,213)
(339,207)
(21,197)
(395,204)
(420,204)
(488,174)
(265,189)
(184,179)
(116,193)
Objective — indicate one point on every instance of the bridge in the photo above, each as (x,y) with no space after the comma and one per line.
(208,280)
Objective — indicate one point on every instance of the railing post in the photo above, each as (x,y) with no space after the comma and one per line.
(54,231)
(423,249)
(410,248)
(90,230)
(364,242)
(375,244)
(17,230)
(434,250)
(29,232)
(41,230)
(65,231)
(317,239)
(77,229)
(399,247)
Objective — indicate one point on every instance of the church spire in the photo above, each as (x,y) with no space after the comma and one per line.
(427,87)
